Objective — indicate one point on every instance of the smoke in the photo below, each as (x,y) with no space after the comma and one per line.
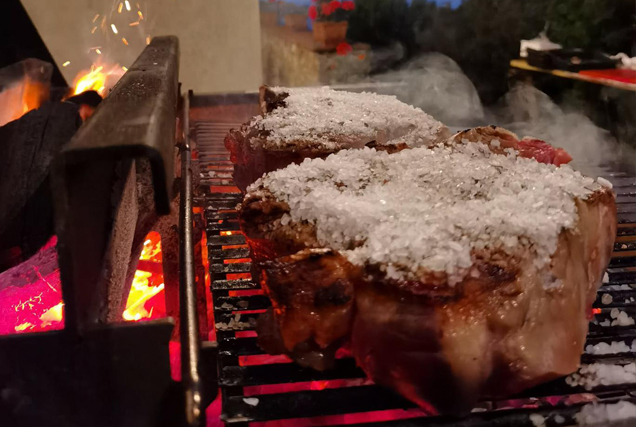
(437,84)
(527,111)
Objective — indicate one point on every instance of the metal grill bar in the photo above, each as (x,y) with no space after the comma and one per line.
(238,313)
(190,345)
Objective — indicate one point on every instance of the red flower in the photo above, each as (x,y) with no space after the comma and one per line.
(348,5)
(312,13)
(344,48)
(326,9)
(335,5)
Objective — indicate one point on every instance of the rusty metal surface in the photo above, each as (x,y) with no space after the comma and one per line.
(95,219)
(137,119)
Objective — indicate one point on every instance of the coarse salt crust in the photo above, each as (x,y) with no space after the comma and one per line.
(332,120)
(426,209)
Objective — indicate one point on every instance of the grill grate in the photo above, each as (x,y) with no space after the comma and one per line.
(242,380)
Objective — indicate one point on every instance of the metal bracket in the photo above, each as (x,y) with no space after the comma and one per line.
(94,183)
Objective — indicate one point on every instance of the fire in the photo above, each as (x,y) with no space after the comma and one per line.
(146,285)
(19,99)
(140,292)
(53,315)
(99,78)
(39,307)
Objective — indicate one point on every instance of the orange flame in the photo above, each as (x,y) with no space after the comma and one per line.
(146,284)
(99,78)
(21,98)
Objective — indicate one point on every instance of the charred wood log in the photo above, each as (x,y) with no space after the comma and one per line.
(27,148)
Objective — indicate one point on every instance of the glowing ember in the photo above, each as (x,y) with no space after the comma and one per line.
(53,315)
(38,306)
(35,306)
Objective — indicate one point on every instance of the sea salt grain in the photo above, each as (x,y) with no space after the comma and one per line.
(537,420)
(621,318)
(329,119)
(252,401)
(604,348)
(595,374)
(604,182)
(441,206)
(615,414)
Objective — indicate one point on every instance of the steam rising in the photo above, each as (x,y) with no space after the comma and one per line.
(437,84)
(526,110)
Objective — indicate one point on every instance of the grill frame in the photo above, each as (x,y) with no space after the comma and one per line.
(219,197)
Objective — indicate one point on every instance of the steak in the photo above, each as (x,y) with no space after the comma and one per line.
(301,123)
(462,271)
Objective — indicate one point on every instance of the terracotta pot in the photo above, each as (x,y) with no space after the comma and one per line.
(328,35)
(296,21)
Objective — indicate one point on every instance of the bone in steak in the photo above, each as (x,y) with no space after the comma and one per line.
(457,272)
(314,122)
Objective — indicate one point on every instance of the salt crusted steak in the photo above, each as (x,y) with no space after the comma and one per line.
(457,272)
(314,122)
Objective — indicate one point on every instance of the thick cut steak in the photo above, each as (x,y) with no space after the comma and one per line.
(458,272)
(296,124)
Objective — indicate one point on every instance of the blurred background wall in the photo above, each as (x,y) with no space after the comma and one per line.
(220,39)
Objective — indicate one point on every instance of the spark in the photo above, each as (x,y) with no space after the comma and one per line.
(95,18)
(93,30)
(127,5)
(66,64)
(123,39)
(114,28)
(124,68)
(141,15)
(148,40)
(121,6)
(134,24)
(99,52)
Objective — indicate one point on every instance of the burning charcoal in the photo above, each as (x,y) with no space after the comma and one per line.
(87,101)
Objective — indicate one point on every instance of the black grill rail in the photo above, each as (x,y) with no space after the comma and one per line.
(238,313)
